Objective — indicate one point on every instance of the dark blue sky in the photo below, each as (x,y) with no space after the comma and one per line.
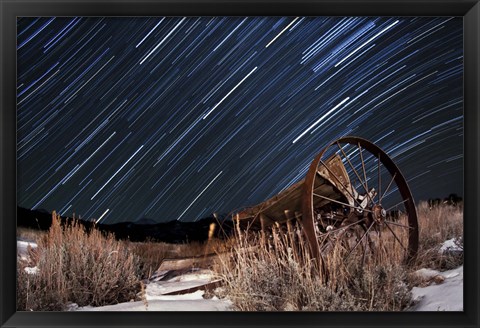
(178,117)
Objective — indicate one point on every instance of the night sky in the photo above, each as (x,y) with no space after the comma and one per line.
(179,117)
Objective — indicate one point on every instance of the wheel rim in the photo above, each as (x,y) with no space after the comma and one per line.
(377,201)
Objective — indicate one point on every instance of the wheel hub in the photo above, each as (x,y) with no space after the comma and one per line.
(379,214)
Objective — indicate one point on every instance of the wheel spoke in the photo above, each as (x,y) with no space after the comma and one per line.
(381,244)
(342,203)
(388,187)
(335,176)
(354,247)
(379,234)
(371,244)
(357,234)
(399,203)
(379,180)
(363,168)
(398,224)
(342,228)
(355,171)
(369,240)
(341,231)
(395,235)
(364,255)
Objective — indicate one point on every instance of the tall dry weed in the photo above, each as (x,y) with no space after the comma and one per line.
(438,224)
(78,267)
(276,272)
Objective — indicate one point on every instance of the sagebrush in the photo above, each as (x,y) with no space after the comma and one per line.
(79,267)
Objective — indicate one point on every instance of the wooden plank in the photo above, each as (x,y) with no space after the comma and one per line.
(211,285)
(186,263)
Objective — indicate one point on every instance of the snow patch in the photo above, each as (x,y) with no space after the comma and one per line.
(33,270)
(452,246)
(447,296)
(155,300)
(22,247)
(188,302)
(427,274)
(203,275)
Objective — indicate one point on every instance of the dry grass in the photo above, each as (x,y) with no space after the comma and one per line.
(79,267)
(277,273)
(151,254)
(29,234)
(437,225)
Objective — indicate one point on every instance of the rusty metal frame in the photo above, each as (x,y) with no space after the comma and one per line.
(308,204)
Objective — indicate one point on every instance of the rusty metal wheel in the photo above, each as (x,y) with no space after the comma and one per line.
(369,209)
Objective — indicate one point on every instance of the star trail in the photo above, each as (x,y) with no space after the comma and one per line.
(174,118)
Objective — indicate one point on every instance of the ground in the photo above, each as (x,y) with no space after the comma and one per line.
(443,292)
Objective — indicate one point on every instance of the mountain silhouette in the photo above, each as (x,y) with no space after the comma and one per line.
(146,221)
(141,230)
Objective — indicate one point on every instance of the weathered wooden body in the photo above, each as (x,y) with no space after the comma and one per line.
(287,204)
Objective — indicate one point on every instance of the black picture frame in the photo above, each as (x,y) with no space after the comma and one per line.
(10,9)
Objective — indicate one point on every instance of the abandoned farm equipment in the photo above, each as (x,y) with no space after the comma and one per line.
(353,204)
(353,201)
